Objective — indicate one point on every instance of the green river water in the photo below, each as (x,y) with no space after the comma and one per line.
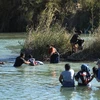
(37,82)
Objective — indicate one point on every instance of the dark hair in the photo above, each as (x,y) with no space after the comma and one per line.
(78,31)
(67,66)
(30,56)
(22,54)
(47,45)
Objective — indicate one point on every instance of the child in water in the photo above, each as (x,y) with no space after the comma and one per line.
(32,60)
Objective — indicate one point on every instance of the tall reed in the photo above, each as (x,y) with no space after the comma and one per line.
(36,43)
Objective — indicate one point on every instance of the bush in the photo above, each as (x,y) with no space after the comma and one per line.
(36,43)
(91,52)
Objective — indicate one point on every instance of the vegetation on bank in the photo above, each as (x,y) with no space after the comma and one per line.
(53,23)
(36,43)
(15,15)
(50,22)
(90,52)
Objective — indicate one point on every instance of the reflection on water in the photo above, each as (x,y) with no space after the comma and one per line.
(39,82)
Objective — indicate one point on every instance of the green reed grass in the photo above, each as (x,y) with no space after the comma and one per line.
(36,43)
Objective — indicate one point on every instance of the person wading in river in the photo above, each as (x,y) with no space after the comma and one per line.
(67,77)
(96,71)
(83,77)
(54,55)
(20,60)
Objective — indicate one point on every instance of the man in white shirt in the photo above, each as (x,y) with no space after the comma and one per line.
(67,77)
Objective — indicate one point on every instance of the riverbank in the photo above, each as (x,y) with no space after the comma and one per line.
(20,35)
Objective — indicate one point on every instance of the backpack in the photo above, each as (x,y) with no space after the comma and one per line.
(82,77)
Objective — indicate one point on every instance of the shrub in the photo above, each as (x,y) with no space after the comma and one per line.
(36,43)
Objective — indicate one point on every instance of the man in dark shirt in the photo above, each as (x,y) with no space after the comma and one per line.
(74,41)
(20,60)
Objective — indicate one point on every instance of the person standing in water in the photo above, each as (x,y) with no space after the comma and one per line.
(83,77)
(54,55)
(20,60)
(67,77)
(32,60)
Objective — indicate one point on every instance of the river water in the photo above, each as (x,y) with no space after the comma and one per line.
(38,82)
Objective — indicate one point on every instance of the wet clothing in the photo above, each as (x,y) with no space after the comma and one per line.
(54,58)
(74,38)
(95,71)
(68,78)
(19,61)
(83,78)
(98,74)
(32,61)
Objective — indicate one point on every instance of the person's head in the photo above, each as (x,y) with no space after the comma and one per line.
(67,67)
(85,67)
(30,56)
(49,46)
(78,32)
(98,62)
(22,54)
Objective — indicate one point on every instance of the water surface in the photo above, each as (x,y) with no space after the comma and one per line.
(38,82)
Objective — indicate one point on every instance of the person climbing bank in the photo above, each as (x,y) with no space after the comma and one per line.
(76,42)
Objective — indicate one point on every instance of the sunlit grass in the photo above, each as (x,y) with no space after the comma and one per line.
(36,43)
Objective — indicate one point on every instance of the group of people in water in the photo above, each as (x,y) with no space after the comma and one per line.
(83,77)
(21,60)
(52,51)
(67,78)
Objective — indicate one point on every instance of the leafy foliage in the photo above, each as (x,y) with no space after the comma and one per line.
(15,15)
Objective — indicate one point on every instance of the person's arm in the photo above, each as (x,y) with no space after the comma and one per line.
(61,79)
(98,78)
(91,78)
(77,76)
(26,62)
